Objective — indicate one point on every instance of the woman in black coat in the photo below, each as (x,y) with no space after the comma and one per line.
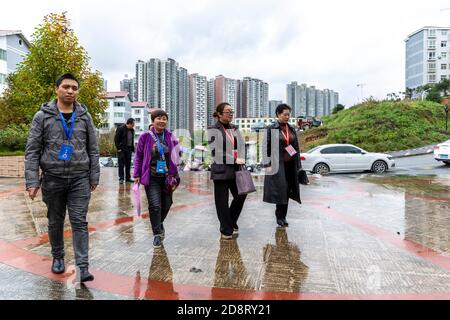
(227,150)
(281,158)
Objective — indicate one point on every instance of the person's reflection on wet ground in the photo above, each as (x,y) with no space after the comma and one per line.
(230,271)
(160,278)
(284,271)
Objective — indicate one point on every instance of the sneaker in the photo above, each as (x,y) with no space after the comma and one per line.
(223,236)
(286,224)
(157,241)
(130,180)
(85,275)
(121,181)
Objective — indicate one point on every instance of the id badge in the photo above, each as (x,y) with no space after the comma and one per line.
(290,149)
(65,154)
(160,166)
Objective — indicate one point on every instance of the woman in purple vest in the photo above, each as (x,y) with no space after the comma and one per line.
(155,167)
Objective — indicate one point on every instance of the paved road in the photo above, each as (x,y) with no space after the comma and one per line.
(420,165)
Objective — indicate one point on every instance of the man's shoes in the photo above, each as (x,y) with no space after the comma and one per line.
(286,224)
(225,237)
(58,266)
(235,232)
(85,275)
(130,180)
(157,241)
(121,181)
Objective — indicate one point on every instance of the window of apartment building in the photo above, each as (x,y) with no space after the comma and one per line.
(138,120)
(105,115)
(431,55)
(443,44)
(444,66)
(432,33)
(2,78)
(104,126)
(2,54)
(137,111)
(431,66)
(119,104)
(431,44)
(118,114)
(444,32)
(443,77)
(431,78)
(444,55)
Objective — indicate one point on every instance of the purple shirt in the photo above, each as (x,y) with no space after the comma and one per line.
(143,156)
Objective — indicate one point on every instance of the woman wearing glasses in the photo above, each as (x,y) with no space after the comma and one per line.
(227,149)
(282,162)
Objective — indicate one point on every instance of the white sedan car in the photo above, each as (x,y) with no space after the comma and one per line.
(442,152)
(344,158)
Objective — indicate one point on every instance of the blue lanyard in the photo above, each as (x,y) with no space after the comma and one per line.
(68,131)
(160,146)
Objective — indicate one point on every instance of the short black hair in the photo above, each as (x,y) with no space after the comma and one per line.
(158,113)
(130,121)
(281,107)
(64,77)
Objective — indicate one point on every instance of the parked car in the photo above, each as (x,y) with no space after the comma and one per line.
(442,152)
(345,158)
(106,162)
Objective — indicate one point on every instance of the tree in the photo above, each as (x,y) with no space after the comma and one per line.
(54,50)
(338,108)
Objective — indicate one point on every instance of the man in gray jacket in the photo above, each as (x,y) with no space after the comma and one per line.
(63,143)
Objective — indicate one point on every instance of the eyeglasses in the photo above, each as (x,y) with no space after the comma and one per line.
(228,112)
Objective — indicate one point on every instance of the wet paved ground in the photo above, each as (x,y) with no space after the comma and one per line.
(354,237)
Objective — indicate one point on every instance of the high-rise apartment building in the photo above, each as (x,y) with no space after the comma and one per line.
(309,101)
(198,102)
(427,56)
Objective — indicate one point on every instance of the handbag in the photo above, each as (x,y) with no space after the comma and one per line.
(302,177)
(244,181)
(172,182)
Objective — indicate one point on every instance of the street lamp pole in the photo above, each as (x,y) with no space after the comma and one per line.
(361,85)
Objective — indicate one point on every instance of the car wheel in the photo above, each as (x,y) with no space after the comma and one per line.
(447,162)
(379,166)
(321,168)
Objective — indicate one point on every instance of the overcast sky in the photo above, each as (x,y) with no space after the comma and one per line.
(327,43)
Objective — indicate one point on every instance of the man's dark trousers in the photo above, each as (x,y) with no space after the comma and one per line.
(124,157)
(73,195)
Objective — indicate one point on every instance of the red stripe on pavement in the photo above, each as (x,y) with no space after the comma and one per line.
(407,245)
(137,287)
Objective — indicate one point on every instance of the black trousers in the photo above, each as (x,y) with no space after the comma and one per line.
(124,158)
(289,174)
(70,195)
(228,215)
(159,203)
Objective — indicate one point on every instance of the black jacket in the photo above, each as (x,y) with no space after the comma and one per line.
(276,184)
(223,167)
(120,138)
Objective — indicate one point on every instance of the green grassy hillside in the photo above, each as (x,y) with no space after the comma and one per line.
(382,126)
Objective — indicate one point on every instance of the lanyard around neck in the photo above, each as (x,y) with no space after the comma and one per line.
(72,124)
(229,135)
(160,145)
(286,135)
